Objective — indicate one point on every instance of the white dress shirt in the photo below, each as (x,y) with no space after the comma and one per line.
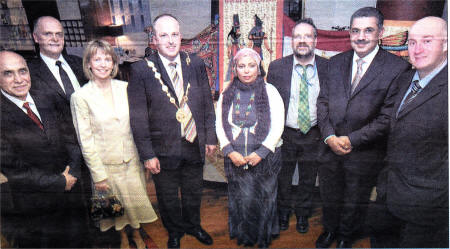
(20,103)
(166,62)
(367,61)
(313,93)
(51,64)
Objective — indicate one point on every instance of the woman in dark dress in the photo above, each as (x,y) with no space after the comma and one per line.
(250,121)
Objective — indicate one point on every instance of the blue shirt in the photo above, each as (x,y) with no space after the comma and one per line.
(422,82)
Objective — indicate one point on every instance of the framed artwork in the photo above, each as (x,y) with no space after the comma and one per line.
(249,23)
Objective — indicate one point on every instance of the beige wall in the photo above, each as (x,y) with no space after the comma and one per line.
(194,15)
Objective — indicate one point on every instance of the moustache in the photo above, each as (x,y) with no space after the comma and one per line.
(362,42)
(302,45)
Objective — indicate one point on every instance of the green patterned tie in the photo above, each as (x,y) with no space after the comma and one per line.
(303,120)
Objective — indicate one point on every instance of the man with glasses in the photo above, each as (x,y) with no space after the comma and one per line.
(297,78)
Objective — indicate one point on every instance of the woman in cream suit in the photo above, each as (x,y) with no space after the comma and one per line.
(101,119)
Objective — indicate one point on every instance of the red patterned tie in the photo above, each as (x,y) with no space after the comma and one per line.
(32,115)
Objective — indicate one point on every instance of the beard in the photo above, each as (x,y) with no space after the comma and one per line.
(304,56)
(308,54)
(298,55)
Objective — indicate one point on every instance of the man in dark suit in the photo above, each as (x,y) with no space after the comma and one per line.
(40,161)
(297,78)
(353,115)
(54,72)
(412,202)
(58,75)
(173,123)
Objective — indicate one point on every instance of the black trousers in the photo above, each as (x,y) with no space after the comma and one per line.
(302,149)
(180,214)
(345,196)
(389,231)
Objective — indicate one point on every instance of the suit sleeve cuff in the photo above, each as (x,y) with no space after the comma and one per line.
(262,151)
(227,150)
(355,139)
(325,140)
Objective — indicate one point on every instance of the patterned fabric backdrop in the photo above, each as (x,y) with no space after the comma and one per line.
(205,46)
(270,12)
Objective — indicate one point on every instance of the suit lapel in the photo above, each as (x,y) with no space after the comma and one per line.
(164,74)
(19,117)
(433,88)
(321,68)
(372,72)
(287,71)
(49,79)
(43,112)
(185,70)
(346,68)
(405,81)
(120,105)
(77,70)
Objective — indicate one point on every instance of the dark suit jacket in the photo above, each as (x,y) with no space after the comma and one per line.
(280,75)
(33,160)
(362,116)
(155,129)
(43,79)
(416,186)
(43,82)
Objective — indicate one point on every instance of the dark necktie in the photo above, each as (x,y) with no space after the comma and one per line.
(411,95)
(68,88)
(33,116)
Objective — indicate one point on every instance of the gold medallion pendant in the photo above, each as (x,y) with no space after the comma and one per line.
(180,115)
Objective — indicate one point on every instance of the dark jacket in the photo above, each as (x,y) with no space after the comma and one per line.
(363,115)
(415,180)
(155,129)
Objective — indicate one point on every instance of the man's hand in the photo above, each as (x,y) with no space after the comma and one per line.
(253,159)
(237,159)
(70,179)
(339,145)
(102,186)
(210,149)
(347,144)
(153,165)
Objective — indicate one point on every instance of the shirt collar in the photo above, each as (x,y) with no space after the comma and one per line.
(166,62)
(369,57)
(424,82)
(52,62)
(18,101)
(311,62)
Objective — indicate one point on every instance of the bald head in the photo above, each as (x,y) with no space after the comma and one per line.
(49,34)
(42,21)
(427,44)
(14,75)
(167,37)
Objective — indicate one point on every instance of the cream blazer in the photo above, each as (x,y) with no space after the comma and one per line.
(103,131)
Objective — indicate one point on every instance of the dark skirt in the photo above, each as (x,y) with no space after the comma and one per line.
(252,207)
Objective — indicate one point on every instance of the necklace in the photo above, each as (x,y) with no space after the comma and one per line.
(180,115)
(240,121)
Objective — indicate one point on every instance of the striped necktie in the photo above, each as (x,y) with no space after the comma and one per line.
(188,124)
(411,95)
(359,73)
